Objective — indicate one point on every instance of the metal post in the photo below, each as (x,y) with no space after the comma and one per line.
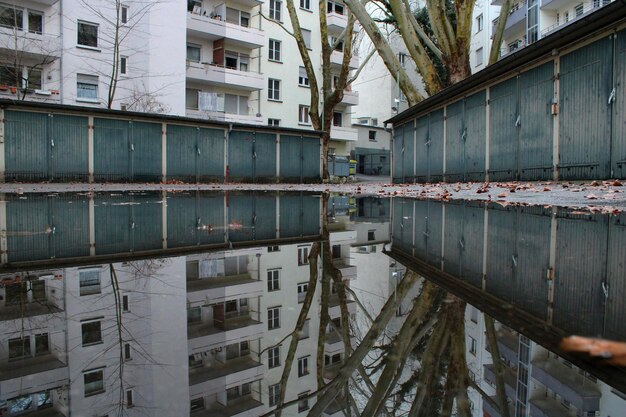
(164,152)
(90,148)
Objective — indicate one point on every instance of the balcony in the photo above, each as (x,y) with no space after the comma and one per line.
(18,311)
(584,12)
(547,407)
(508,345)
(346,134)
(516,21)
(488,410)
(554,4)
(510,379)
(347,271)
(568,383)
(210,28)
(335,408)
(331,371)
(225,117)
(32,375)
(334,310)
(209,74)
(241,407)
(212,379)
(336,22)
(217,289)
(32,46)
(334,343)
(39,96)
(350,98)
(336,59)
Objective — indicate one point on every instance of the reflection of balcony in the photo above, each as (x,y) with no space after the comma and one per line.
(347,134)
(492,412)
(210,74)
(510,380)
(16,311)
(508,345)
(568,383)
(347,271)
(334,309)
(350,98)
(32,375)
(334,343)
(246,406)
(206,335)
(206,27)
(336,408)
(331,371)
(30,45)
(225,117)
(554,4)
(336,58)
(217,289)
(547,407)
(212,379)
(44,412)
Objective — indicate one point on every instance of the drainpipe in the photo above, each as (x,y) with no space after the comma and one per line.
(61,78)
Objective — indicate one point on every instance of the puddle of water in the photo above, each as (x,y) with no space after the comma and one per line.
(234,303)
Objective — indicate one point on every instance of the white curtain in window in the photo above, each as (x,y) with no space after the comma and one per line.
(207,101)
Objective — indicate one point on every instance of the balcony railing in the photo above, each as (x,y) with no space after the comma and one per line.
(217,74)
(234,33)
(584,11)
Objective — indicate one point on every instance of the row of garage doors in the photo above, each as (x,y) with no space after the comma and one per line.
(55,147)
(563,119)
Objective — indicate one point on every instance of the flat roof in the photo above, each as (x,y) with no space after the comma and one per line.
(153,117)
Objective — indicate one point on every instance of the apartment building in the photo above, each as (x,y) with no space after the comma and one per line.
(527,22)
(538,383)
(221,60)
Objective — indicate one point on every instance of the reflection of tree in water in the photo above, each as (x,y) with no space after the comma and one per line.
(432,335)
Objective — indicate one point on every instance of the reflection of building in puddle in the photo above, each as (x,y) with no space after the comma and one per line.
(73,346)
(537,382)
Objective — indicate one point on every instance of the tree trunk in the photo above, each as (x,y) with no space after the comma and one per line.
(494,54)
(499,370)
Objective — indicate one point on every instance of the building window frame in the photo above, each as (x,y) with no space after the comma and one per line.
(87,34)
(273,318)
(91,332)
(87,88)
(273,357)
(273,89)
(95,377)
(302,288)
(303,255)
(480,23)
(276,10)
(274,51)
(303,366)
(273,280)
(274,394)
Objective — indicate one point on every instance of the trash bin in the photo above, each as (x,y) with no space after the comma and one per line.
(352,167)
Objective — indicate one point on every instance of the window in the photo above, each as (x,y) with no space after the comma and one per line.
(42,344)
(275,9)
(19,348)
(273,89)
(303,78)
(11,17)
(479,56)
(123,62)
(92,333)
(94,382)
(89,281)
(273,122)
(197,404)
(371,235)
(193,52)
(125,307)
(372,135)
(566,17)
(35,22)
(374,121)
(10,76)
(337,119)
(305,4)
(235,104)
(304,334)
(479,23)
(273,357)
(306,35)
(87,87)
(273,280)
(128,352)
(237,17)
(333,7)
(130,398)
(124,14)
(303,117)
(578,9)
(303,287)
(87,34)
(472,346)
(194,6)
(273,318)
(303,402)
(303,366)
(336,251)
(191,99)
(303,255)
(274,391)
(274,51)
